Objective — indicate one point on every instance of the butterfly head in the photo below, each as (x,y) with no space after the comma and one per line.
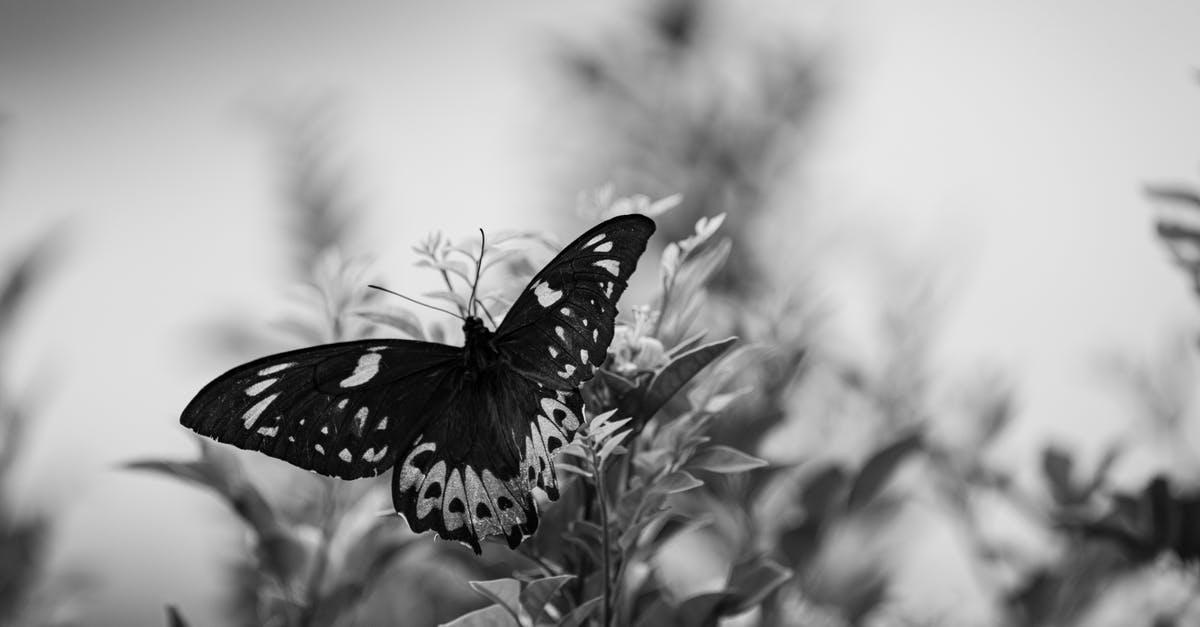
(478,348)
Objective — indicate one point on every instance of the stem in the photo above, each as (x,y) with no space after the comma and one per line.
(605,557)
(313,587)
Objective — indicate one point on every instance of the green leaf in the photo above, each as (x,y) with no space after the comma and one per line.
(505,593)
(537,594)
(490,616)
(676,374)
(880,468)
(676,482)
(581,614)
(725,460)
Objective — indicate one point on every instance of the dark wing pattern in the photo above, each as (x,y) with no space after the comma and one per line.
(471,473)
(344,410)
(558,330)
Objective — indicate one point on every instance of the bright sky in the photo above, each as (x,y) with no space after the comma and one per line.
(1024,130)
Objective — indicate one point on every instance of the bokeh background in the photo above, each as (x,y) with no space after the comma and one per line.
(945,203)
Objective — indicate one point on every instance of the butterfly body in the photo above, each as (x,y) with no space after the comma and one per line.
(470,430)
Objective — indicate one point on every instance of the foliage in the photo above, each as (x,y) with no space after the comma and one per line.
(29,594)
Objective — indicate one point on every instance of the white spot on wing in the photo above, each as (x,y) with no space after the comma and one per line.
(568,370)
(613,266)
(608,289)
(342,403)
(345,455)
(366,368)
(553,352)
(371,456)
(570,421)
(318,448)
(595,335)
(257,388)
(360,420)
(603,248)
(276,368)
(454,490)
(437,474)
(566,311)
(382,424)
(268,431)
(251,416)
(598,238)
(561,333)
(546,295)
(583,355)
(325,429)
(409,474)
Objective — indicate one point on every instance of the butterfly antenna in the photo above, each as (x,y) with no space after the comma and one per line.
(478,271)
(488,314)
(413,300)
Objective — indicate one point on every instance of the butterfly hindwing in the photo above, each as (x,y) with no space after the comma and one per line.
(342,410)
(472,472)
(558,330)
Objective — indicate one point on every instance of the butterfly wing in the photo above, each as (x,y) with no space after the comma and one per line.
(471,472)
(558,330)
(343,410)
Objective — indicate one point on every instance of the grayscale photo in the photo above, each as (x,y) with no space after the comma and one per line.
(657,313)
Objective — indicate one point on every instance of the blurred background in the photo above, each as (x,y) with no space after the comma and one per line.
(943,218)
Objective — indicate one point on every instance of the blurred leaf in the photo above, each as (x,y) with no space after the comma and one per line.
(490,616)
(705,608)
(21,279)
(452,297)
(1057,465)
(724,460)
(676,482)
(753,580)
(581,614)
(537,594)
(669,264)
(174,618)
(676,374)
(687,344)
(561,465)
(822,491)
(1176,194)
(879,469)
(695,273)
(632,532)
(402,320)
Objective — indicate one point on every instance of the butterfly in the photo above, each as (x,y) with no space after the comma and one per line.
(469,430)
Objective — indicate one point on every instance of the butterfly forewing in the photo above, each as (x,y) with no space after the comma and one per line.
(558,330)
(343,410)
